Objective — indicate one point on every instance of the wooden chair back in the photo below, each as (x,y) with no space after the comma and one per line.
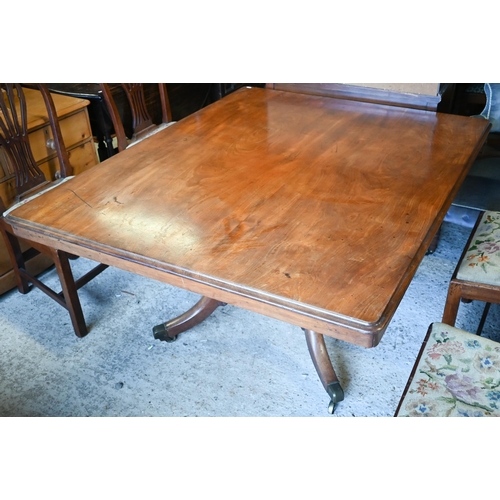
(142,123)
(14,138)
(14,141)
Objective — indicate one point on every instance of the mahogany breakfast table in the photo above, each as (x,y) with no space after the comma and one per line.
(313,210)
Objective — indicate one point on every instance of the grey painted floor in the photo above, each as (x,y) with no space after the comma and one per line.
(236,363)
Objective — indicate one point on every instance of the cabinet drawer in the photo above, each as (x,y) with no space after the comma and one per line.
(74,129)
(81,158)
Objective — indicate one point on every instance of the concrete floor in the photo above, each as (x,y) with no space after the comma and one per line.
(236,363)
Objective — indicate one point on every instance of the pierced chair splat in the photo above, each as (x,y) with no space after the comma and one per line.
(142,123)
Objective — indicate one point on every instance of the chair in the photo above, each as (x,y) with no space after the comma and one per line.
(142,123)
(31,182)
(456,374)
(477,275)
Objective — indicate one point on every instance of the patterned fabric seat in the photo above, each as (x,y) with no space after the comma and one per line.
(457,374)
(481,262)
(477,276)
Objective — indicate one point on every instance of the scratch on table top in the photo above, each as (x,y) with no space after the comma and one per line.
(81,199)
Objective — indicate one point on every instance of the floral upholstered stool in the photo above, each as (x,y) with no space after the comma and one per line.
(477,276)
(457,374)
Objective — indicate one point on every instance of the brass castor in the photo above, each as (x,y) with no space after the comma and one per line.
(160,332)
(336,392)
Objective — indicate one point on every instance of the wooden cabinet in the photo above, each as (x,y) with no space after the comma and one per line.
(77,135)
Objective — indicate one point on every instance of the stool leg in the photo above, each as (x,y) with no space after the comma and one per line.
(483,318)
(452,303)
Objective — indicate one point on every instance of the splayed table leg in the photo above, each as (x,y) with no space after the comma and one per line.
(324,367)
(200,311)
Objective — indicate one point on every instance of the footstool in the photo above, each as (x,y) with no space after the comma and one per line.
(457,374)
(477,275)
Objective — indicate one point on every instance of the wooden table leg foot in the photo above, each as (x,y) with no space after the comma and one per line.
(201,310)
(324,367)
(434,243)
(160,332)
(336,394)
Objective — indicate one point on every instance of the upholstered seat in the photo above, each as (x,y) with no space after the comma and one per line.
(481,262)
(457,374)
(477,275)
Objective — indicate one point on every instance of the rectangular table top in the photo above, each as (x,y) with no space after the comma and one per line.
(313,210)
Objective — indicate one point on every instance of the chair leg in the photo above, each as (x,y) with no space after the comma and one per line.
(68,297)
(69,291)
(16,257)
(452,303)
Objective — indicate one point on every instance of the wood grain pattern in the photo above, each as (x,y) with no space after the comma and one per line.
(309,209)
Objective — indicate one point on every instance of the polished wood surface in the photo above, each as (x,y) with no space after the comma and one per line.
(184,98)
(313,210)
